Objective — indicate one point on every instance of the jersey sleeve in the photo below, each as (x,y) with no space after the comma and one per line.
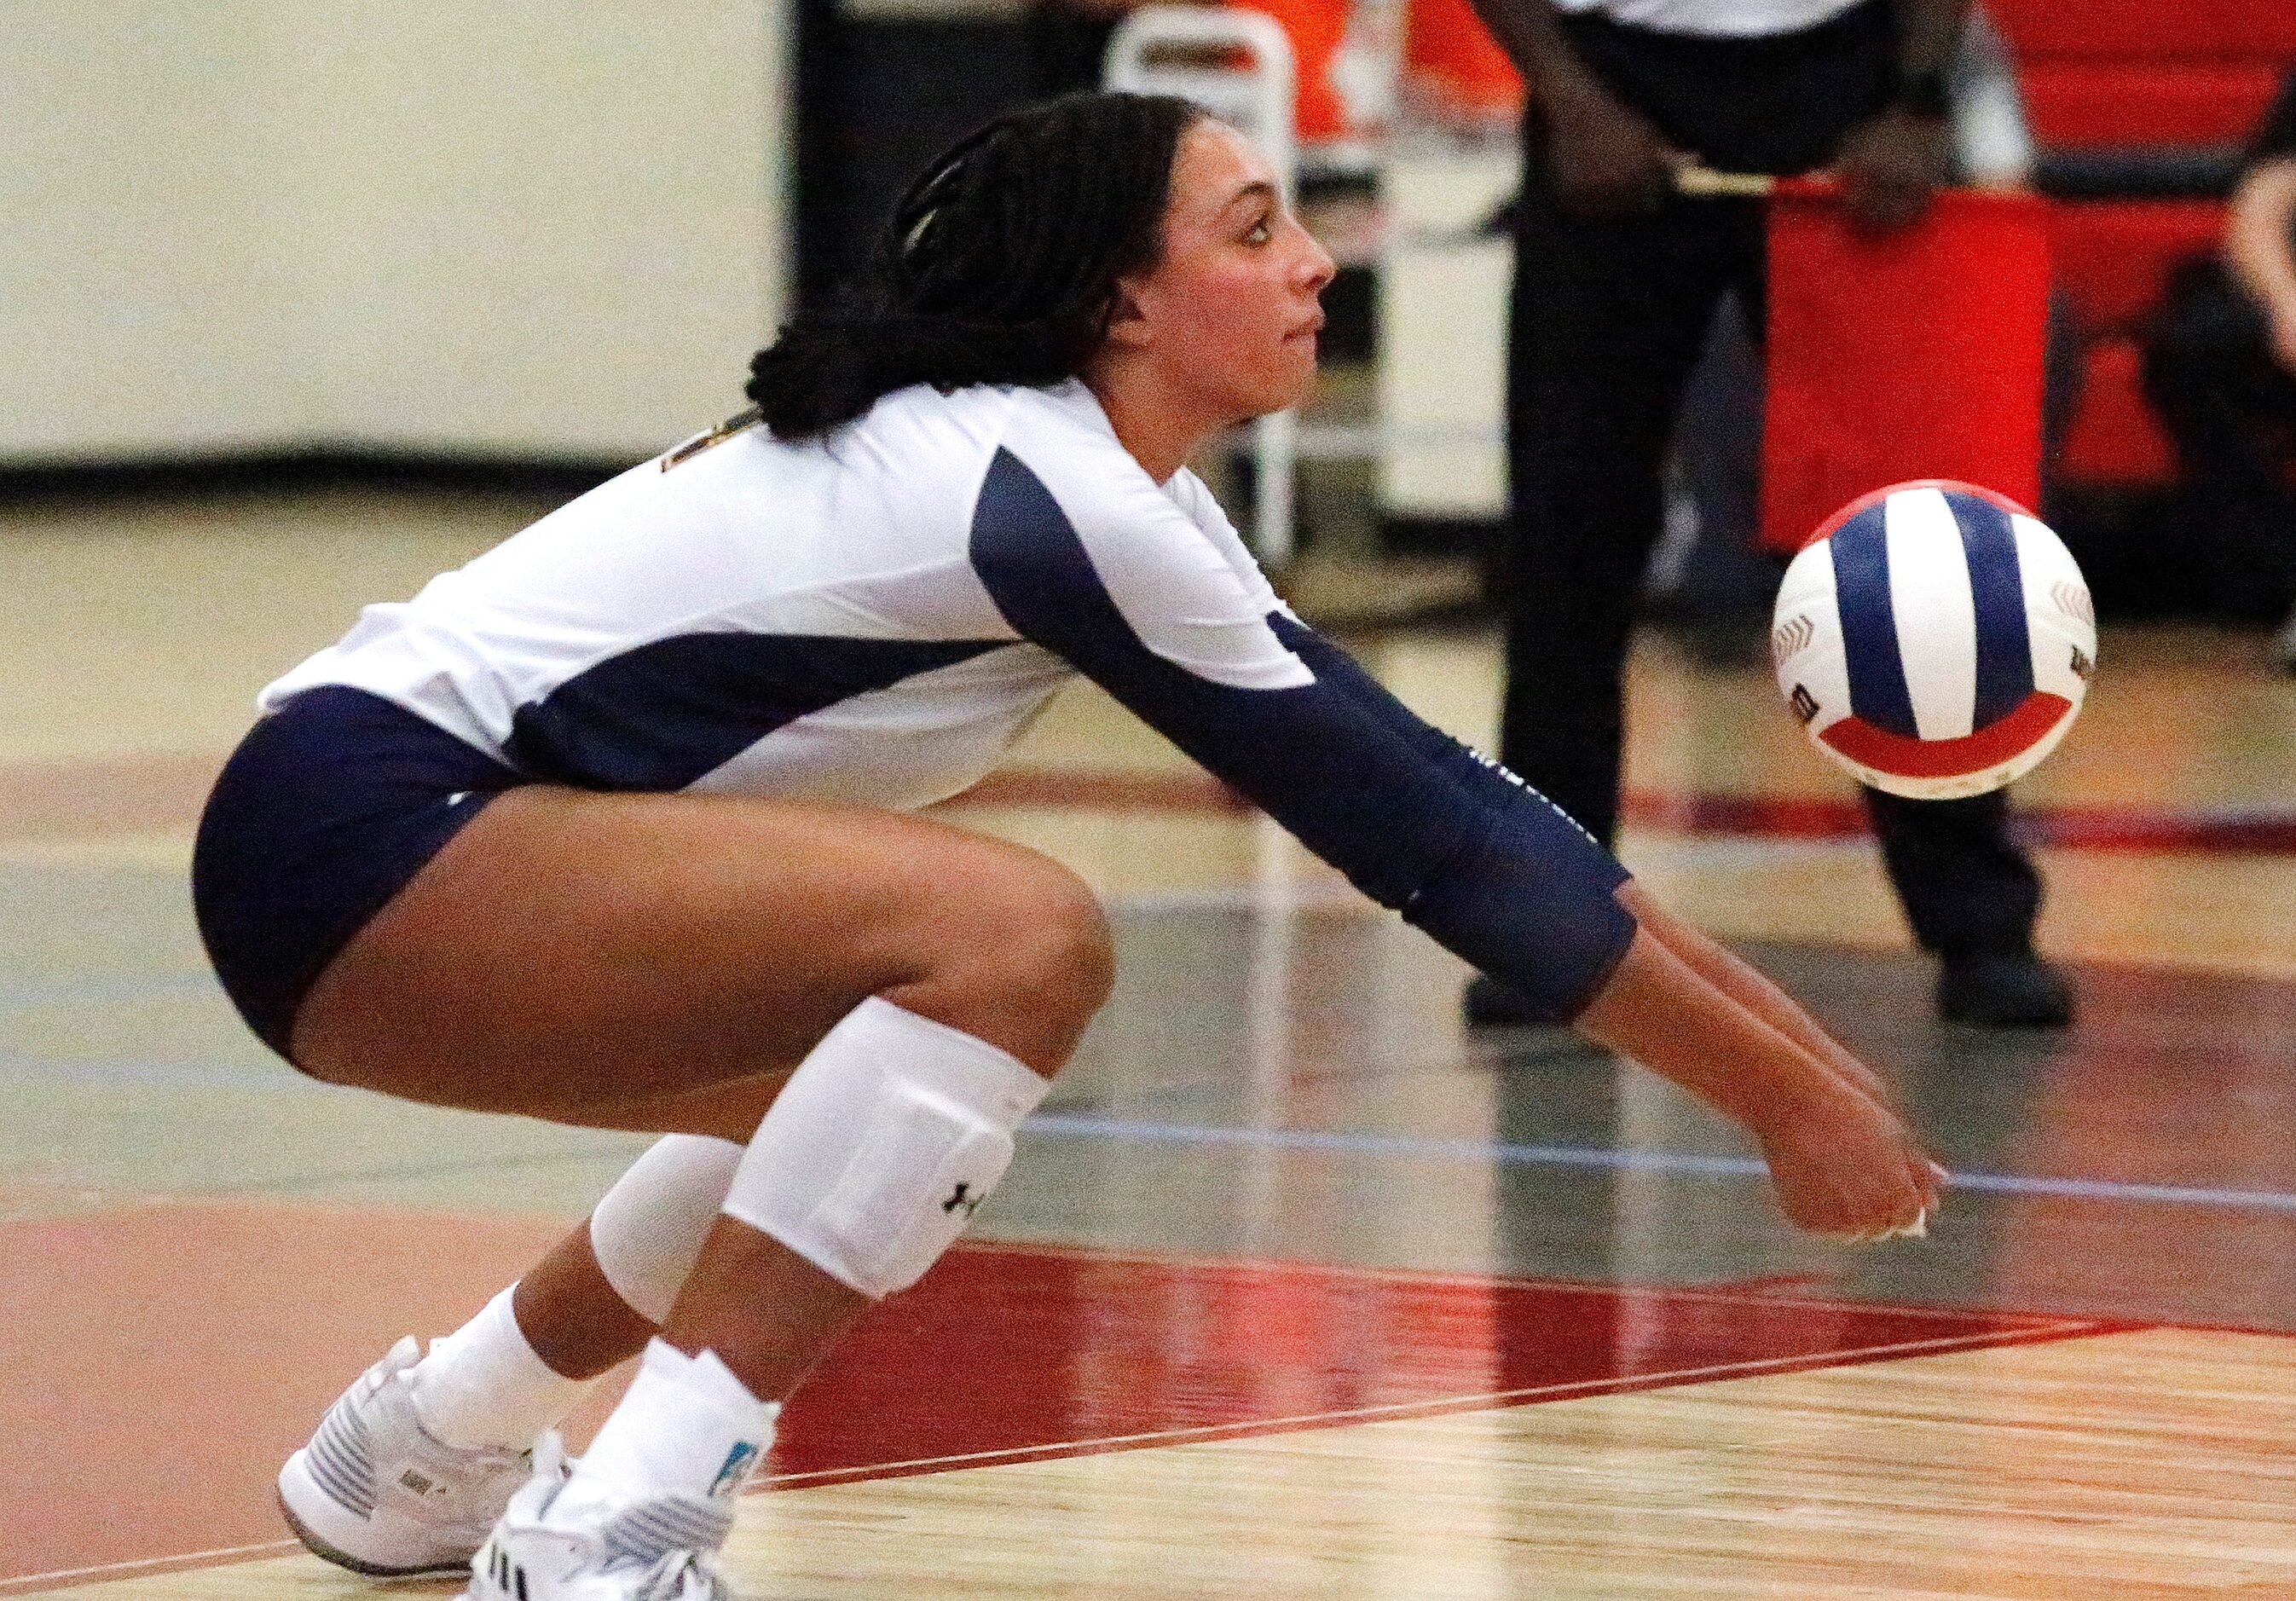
(1325,660)
(1102,568)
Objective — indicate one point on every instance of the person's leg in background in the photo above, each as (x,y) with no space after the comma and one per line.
(1970,894)
(1721,589)
(1605,322)
(2231,410)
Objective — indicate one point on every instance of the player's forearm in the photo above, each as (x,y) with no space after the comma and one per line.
(1744,984)
(1662,1012)
(1530,32)
(2257,246)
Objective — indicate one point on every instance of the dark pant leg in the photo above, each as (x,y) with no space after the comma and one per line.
(1727,577)
(1965,886)
(1964,883)
(2230,409)
(1606,321)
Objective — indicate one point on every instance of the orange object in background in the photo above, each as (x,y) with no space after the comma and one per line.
(1916,354)
(1450,57)
(1316,28)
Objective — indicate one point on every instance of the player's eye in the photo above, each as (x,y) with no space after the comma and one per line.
(1260,232)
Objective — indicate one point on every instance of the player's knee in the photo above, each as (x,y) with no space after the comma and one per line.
(1021,957)
(1051,942)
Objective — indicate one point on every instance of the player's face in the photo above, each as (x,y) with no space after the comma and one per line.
(1230,311)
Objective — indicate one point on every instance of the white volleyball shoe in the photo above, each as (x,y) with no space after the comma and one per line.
(661,1549)
(375,1491)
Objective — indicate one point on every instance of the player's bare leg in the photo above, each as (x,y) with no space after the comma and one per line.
(683,955)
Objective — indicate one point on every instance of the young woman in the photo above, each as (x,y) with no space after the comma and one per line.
(611,826)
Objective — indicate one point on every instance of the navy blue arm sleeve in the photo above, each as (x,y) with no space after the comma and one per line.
(1416,821)
(1478,772)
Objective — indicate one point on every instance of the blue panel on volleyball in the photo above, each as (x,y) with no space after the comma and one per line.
(1935,639)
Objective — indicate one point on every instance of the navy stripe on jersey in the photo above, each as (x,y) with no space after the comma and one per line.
(1468,854)
(2005,651)
(1334,666)
(1869,625)
(659,716)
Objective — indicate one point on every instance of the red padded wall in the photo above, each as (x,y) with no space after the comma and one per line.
(2087,101)
(2113,256)
(2149,29)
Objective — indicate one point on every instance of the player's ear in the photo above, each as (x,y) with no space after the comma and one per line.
(1128,322)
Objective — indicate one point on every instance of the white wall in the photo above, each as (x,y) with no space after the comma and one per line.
(1442,356)
(500,227)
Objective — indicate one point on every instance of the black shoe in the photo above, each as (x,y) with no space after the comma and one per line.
(2004,990)
(1491,1005)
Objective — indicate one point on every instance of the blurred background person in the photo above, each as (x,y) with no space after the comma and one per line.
(1617,280)
(1710,577)
(2220,369)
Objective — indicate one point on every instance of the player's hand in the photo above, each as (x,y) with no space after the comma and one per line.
(1844,1166)
(1890,167)
(1609,160)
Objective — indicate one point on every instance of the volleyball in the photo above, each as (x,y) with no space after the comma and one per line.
(1935,639)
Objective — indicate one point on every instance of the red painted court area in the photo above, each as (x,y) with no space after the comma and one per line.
(165,1359)
(1009,1353)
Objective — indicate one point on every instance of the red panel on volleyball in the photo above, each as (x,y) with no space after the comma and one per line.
(1916,354)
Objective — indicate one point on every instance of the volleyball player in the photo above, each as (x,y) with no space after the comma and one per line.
(612,826)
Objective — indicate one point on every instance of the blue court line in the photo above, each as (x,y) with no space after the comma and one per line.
(1085,1125)
(1074,1125)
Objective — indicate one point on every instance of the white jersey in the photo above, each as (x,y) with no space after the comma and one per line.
(1715,19)
(806,620)
(875,616)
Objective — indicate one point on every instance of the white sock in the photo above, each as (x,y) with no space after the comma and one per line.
(482,1385)
(687,1423)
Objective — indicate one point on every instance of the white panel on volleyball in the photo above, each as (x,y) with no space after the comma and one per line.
(1808,597)
(1936,617)
(2060,620)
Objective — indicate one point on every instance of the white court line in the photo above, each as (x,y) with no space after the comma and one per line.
(1484,1401)
(1246,1428)
(270,1547)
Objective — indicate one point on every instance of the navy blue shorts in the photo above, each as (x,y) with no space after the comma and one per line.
(328,808)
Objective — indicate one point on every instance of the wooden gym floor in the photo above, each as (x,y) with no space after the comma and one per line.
(1297,1289)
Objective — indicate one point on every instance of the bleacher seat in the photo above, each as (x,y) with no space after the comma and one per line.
(2140,107)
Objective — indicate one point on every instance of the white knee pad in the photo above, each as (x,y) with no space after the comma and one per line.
(874,1156)
(647,1230)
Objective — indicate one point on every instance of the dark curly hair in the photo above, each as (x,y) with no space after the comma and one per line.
(998,266)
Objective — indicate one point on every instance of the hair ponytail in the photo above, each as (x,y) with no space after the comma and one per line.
(998,265)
